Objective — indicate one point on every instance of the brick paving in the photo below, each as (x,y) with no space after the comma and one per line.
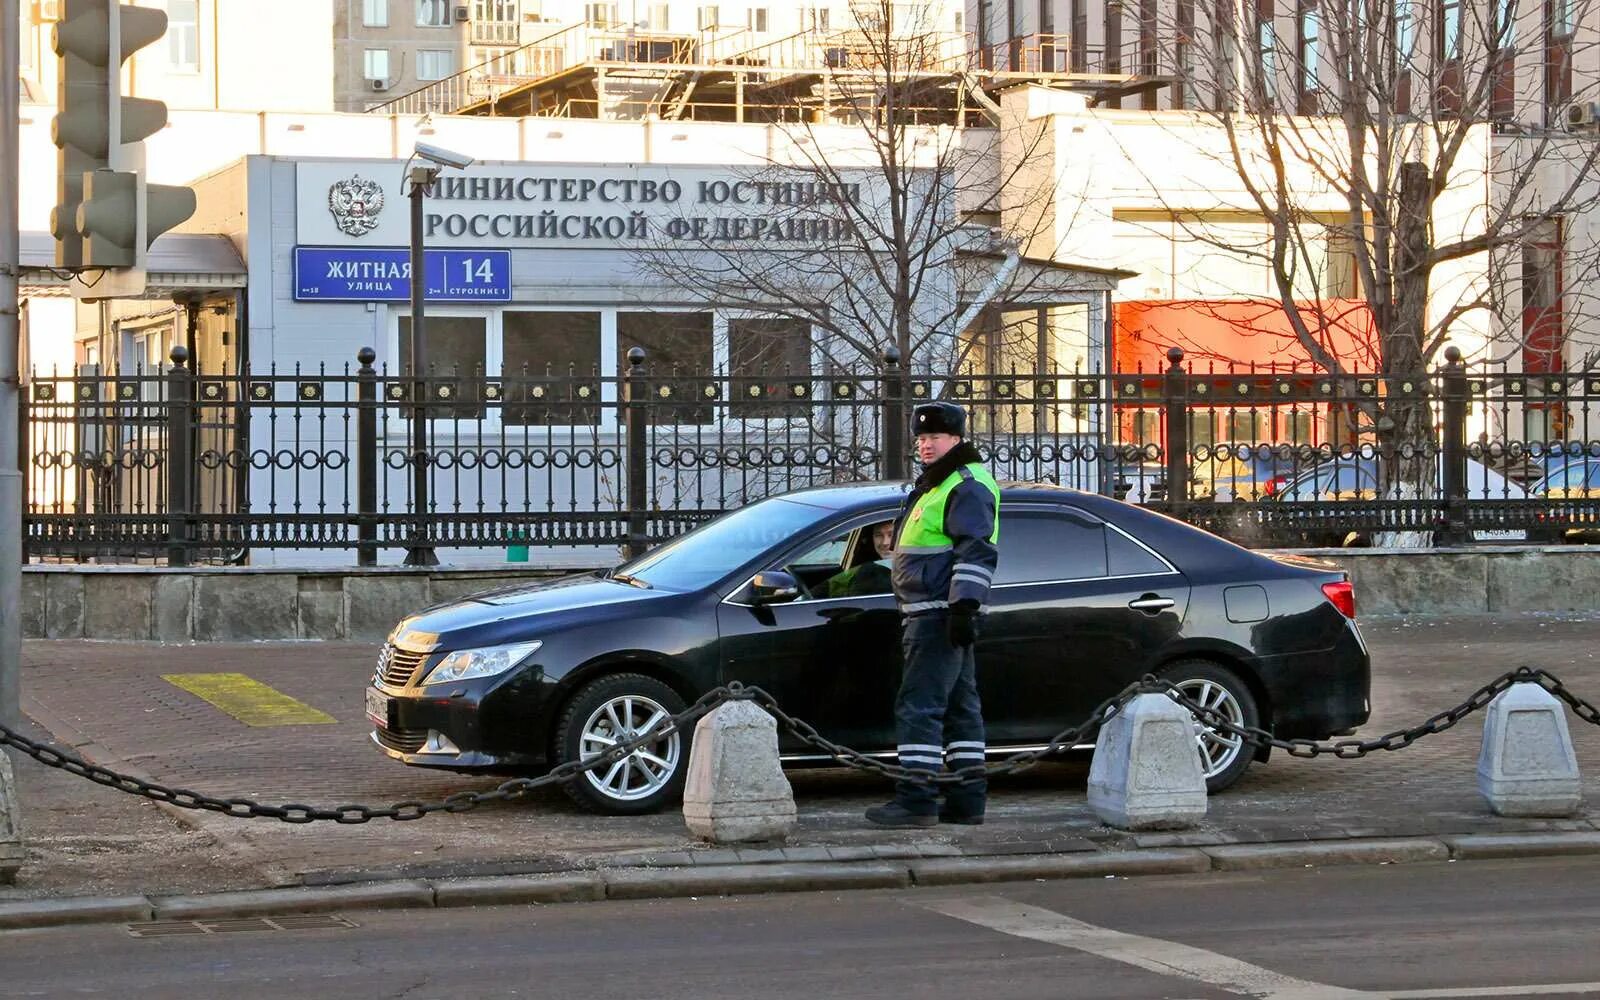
(109,700)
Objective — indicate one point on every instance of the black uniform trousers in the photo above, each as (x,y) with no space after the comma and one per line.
(938,718)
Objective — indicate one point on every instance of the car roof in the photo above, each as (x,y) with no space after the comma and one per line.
(872,494)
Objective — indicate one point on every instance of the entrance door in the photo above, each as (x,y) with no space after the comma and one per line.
(833,661)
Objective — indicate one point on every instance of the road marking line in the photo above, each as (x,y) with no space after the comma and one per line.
(1167,958)
(250,701)
(1548,989)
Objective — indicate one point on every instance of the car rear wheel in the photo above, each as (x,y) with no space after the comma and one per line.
(1223,758)
(619,709)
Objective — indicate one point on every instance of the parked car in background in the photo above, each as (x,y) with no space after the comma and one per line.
(1347,479)
(1090,595)
(1575,479)
(1242,472)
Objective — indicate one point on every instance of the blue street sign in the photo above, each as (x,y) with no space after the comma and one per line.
(383,274)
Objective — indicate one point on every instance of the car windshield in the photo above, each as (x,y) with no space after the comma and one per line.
(714,550)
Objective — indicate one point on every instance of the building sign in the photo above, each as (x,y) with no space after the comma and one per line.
(383,274)
(577,206)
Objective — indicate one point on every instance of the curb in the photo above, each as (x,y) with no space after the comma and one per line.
(737,879)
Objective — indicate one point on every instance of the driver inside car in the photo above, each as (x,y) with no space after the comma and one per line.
(868,578)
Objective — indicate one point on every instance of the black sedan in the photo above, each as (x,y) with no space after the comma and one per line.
(1090,594)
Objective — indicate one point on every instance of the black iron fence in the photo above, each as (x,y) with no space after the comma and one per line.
(182,467)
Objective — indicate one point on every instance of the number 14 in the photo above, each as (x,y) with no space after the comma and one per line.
(473,271)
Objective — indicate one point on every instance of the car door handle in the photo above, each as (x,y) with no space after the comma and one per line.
(1150,603)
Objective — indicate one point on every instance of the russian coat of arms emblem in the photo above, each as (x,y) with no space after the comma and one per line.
(355,203)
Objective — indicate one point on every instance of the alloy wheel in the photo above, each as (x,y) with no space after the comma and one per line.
(642,773)
(1218,750)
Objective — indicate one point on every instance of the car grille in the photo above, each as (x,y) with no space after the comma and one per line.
(402,740)
(397,666)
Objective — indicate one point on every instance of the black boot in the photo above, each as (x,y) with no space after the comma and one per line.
(895,814)
(960,818)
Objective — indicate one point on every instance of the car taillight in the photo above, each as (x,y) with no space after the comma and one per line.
(1341,595)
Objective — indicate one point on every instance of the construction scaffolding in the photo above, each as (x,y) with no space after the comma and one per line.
(621,73)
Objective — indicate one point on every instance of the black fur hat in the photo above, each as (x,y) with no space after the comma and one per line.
(939,418)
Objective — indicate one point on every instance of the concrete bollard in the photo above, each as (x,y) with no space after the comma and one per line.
(735,790)
(1527,766)
(11,852)
(1146,772)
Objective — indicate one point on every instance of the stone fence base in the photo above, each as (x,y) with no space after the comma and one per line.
(242,604)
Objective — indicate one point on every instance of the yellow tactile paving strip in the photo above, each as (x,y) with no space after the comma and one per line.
(250,701)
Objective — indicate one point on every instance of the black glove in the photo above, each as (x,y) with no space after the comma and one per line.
(963,624)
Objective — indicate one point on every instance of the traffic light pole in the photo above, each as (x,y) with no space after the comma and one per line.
(10,376)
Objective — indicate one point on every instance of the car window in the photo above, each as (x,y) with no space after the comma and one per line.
(1594,476)
(829,553)
(1038,546)
(1125,557)
(710,552)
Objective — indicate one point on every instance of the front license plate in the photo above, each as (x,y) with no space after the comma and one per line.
(1507,535)
(378,708)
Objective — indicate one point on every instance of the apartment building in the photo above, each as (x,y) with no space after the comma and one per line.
(219,55)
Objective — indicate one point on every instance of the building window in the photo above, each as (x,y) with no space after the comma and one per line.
(549,359)
(1266,51)
(1225,29)
(1187,94)
(1113,54)
(435,64)
(375,62)
(183,35)
(758,19)
(455,348)
(660,16)
(433,13)
(375,13)
(1309,60)
(1559,26)
(1149,55)
(1542,307)
(1447,42)
(1079,40)
(600,15)
(960,20)
(777,350)
(817,19)
(678,348)
(708,17)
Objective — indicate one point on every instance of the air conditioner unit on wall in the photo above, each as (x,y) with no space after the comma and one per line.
(379,84)
(1581,116)
(462,13)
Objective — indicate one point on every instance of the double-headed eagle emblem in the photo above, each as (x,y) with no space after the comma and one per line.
(355,203)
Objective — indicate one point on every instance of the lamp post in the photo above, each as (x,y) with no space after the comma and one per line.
(421,177)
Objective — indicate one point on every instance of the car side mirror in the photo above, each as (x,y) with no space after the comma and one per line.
(774,587)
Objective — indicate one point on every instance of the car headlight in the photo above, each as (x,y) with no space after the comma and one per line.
(485,662)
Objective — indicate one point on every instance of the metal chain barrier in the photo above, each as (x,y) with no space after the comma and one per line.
(1068,738)
(352,814)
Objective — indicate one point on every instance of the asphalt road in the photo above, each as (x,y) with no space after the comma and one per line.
(1469,929)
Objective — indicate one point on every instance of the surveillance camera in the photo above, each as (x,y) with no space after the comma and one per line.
(443,157)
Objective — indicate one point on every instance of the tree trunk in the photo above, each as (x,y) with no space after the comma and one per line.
(1405,427)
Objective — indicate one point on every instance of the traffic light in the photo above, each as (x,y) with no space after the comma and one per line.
(106,216)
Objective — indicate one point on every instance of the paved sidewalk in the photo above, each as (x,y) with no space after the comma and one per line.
(109,701)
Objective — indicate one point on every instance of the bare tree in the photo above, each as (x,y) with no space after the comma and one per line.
(911,187)
(1409,156)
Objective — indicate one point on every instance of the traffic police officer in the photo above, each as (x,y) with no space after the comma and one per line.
(944,562)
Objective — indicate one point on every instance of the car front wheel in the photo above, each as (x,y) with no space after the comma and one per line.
(1223,757)
(617,709)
